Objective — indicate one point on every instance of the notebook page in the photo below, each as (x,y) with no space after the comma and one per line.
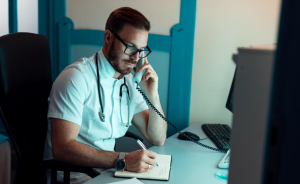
(163,160)
(161,172)
(128,181)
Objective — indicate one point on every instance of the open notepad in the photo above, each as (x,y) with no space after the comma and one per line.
(162,172)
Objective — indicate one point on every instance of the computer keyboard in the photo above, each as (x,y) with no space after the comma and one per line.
(219,134)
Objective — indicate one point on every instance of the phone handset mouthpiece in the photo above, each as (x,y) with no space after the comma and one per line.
(138,75)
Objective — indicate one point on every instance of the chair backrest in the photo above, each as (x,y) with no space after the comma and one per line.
(25,84)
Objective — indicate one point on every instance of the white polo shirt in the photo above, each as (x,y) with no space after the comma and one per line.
(74,97)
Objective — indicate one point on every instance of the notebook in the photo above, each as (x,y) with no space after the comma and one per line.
(162,172)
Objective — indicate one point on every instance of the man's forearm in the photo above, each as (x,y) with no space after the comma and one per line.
(81,154)
(157,127)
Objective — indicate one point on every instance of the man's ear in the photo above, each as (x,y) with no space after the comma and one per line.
(108,37)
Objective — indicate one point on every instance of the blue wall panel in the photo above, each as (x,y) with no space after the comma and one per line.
(88,37)
(181,66)
(80,50)
(96,37)
(12,16)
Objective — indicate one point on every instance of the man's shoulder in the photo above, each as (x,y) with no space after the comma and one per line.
(82,65)
(80,68)
(78,73)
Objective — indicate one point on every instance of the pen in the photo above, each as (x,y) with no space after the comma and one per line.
(143,146)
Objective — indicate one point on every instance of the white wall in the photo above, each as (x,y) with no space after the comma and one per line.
(92,14)
(27,16)
(221,27)
(3,17)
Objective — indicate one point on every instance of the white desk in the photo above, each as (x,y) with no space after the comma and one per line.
(191,163)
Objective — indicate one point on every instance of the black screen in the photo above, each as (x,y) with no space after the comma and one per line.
(229,103)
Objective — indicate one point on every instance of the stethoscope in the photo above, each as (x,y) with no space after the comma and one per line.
(123,93)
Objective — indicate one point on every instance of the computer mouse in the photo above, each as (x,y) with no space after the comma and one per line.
(190,134)
(223,175)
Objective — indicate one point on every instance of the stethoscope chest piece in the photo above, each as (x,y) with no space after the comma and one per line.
(102,116)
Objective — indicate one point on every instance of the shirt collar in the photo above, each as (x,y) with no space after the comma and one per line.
(105,69)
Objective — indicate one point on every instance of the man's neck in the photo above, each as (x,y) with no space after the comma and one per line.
(117,75)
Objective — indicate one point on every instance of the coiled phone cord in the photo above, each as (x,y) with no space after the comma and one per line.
(152,106)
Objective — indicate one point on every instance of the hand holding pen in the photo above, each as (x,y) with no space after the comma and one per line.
(140,160)
(143,147)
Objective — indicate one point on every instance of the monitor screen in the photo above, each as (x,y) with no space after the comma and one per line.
(229,103)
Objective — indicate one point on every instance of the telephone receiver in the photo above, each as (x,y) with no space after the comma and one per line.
(138,75)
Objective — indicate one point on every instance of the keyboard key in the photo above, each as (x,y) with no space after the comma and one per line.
(219,134)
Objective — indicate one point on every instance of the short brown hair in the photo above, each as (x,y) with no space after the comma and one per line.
(126,15)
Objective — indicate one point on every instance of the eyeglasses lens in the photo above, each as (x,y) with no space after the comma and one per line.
(132,50)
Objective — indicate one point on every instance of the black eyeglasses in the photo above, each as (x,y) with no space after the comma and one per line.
(131,50)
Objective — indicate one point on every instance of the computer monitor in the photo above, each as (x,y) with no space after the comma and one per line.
(252,87)
(282,161)
(266,120)
(276,161)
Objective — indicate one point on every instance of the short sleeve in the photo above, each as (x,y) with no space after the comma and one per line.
(67,96)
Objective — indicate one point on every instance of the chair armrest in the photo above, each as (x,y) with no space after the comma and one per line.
(62,166)
(134,136)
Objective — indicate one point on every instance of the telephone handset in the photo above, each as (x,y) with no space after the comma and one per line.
(136,79)
(138,75)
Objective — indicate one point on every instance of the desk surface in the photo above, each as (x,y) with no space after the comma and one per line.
(191,163)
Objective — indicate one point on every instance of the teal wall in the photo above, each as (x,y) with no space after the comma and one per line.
(12,16)
(83,50)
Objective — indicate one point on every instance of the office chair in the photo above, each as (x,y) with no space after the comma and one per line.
(25,84)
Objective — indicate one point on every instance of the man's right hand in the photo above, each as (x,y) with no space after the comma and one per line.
(139,160)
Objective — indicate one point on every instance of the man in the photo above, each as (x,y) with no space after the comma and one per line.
(76,132)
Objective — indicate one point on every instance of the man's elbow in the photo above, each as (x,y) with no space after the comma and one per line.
(159,143)
(57,152)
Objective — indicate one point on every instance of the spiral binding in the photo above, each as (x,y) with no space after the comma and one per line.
(191,139)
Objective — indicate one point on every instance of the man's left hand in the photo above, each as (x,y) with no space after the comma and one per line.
(149,81)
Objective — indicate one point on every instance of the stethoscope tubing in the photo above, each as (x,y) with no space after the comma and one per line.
(101,113)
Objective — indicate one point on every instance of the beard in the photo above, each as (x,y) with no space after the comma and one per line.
(116,63)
